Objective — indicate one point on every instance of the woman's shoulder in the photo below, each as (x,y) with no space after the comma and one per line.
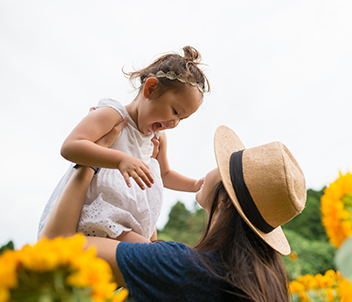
(174,255)
(166,247)
(168,271)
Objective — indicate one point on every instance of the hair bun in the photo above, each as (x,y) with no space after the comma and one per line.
(191,54)
(173,66)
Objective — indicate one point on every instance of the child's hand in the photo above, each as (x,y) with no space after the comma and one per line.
(199,183)
(129,166)
(156,143)
(133,167)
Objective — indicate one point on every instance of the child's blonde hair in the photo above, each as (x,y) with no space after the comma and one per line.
(173,66)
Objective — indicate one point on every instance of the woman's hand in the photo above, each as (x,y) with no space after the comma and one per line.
(108,139)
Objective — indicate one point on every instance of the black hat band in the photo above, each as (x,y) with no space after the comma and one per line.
(243,196)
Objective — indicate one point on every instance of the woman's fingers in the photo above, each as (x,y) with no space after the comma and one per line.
(117,129)
(108,139)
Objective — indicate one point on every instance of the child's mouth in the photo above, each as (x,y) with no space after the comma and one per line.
(156,126)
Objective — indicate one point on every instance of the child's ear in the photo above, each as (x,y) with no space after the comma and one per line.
(150,85)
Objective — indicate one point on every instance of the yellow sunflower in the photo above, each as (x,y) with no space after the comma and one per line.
(336,208)
(319,287)
(57,270)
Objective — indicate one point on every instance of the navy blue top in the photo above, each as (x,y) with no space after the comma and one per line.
(167,271)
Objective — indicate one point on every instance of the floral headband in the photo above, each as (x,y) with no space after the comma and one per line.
(173,76)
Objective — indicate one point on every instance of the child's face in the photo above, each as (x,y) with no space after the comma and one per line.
(166,111)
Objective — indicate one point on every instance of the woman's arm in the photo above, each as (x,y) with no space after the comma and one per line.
(106,249)
(154,236)
(172,179)
(64,217)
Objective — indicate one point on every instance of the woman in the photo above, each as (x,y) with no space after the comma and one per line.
(248,197)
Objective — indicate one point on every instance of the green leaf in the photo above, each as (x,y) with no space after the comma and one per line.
(45,298)
(9,246)
(343,258)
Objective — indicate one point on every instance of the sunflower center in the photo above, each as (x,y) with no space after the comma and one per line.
(347,201)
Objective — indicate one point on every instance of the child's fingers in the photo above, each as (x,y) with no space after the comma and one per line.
(146,171)
(199,183)
(143,174)
(126,176)
(138,180)
(138,170)
(147,178)
(156,143)
(141,178)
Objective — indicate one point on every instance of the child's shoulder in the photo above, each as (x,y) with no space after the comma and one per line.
(106,102)
(109,102)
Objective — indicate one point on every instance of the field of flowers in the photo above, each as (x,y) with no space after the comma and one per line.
(336,208)
(60,270)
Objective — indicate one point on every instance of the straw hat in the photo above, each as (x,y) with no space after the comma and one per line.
(265,184)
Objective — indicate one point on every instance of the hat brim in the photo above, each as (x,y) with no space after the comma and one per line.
(225,143)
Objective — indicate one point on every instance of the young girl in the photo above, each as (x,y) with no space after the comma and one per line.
(171,89)
(248,196)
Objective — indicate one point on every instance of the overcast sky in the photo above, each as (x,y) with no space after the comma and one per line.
(279,71)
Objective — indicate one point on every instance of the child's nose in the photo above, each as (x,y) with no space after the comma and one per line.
(173,123)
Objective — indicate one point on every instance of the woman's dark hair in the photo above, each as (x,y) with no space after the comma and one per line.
(186,65)
(251,268)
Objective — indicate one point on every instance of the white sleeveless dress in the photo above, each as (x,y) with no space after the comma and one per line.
(110,207)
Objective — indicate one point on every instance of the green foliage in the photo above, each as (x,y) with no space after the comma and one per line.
(308,223)
(184,225)
(343,259)
(308,239)
(9,246)
(177,217)
(314,256)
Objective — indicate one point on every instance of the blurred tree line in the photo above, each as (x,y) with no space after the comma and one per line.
(311,251)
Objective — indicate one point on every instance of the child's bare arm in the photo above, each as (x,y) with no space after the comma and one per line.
(80,147)
(172,179)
